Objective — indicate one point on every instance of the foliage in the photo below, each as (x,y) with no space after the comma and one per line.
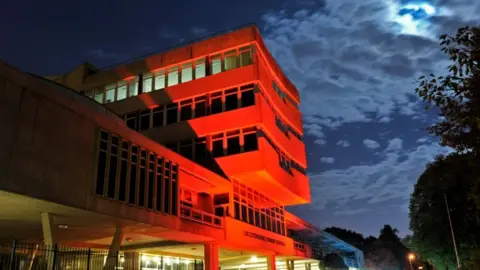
(334,261)
(457,94)
(380,257)
(454,176)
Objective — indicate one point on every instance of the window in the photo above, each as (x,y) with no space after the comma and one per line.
(216,64)
(247,97)
(102,163)
(186,110)
(172,113)
(159,82)
(145,185)
(200,68)
(231,99)
(172,76)
(250,140)
(233,142)
(217,145)
(200,149)
(257,209)
(186,149)
(245,56)
(216,105)
(99,95)
(200,106)
(144,120)
(112,172)
(110,95)
(133,87)
(187,72)
(157,117)
(147,82)
(131,120)
(122,90)
(230,60)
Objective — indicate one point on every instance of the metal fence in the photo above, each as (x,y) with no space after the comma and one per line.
(26,256)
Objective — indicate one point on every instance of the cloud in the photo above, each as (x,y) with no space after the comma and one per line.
(343,143)
(320,141)
(390,179)
(328,160)
(371,144)
(200,31)
(422,140)
(348,212)
(350,60)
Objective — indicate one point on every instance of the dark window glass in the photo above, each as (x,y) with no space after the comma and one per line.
(174,198)
(133,183)
(237,210)
(200,109)
(257,218)
(132,121)
(186,113)
(112,177)
(157,117)
(250,216)
(145,120)
(172,113)
(248,98)
(102,163)
(251,142)
(200,150)
(262,218)
(123,181)
(151,189)
(159,192)
(141,187)
(172,146)
(217,148)
(166,201)
(233,145)
(216,106)
(231,102)
(244,213)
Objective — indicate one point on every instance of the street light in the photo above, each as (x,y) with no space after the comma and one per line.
(420,267)
(411,257)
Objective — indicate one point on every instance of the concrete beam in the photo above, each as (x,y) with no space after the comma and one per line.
(211,256)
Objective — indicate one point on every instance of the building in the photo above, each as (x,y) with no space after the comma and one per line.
(190,154)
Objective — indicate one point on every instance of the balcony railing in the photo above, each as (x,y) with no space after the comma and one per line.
(200,216)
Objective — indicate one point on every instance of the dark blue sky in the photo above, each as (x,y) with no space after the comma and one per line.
(354,63)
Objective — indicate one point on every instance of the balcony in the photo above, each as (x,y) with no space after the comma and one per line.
(262,170)
(201,216)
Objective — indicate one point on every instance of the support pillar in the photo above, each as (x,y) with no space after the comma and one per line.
(290,264)
(112,258)
(48,227)
(271,262)
(211,256)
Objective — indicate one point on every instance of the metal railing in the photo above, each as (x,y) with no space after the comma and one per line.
(26,256)
(200,216)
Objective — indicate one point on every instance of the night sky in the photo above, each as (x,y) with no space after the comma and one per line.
(353,61)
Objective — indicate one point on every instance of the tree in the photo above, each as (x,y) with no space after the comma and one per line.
(380,257)
(454,176)
(334,261)
(353,238)
(457,94)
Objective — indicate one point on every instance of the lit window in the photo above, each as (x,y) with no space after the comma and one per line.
(230,60)
(200,68)
(172,76)
(147,82)
(99,95)
(110,95)
(245,56)
(122,90)
(187,72)
(133,87)
(216,64)
(159,80)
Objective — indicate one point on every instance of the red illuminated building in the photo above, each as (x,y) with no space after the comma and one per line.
(194,154)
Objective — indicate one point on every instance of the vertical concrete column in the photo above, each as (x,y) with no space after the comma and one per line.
(131,261)
(113,259)
(271,262)
(49,237)
(48,227)
(290,265)
(210,256)
(308,266)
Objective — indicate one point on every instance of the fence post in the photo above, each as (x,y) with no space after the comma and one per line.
(89,254)
(54,262)
(12,256)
